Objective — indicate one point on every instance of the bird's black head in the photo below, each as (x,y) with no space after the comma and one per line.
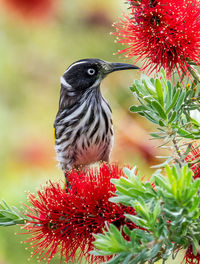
(87,73)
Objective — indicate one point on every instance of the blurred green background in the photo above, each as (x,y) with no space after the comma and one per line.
(33,56)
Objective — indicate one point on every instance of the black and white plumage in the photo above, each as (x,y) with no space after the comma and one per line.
(83,125)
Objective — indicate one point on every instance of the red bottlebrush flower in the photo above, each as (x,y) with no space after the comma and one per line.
(164,33)
(194,156)
(65,221)
(190,258)
(30,9)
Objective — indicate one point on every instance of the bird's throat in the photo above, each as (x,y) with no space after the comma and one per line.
(70,98)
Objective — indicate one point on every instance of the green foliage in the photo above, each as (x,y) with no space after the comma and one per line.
(168,215)
(169,106)
(10,215)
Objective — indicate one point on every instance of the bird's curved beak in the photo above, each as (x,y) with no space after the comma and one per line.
(109,67)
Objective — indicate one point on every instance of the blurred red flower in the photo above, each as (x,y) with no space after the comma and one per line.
(30,9)
(65,221)
(164,33)
(190,258)
(194,159)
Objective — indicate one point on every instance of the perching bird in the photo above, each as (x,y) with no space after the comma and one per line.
(83,124)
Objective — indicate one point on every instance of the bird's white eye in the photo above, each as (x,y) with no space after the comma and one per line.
(91,71)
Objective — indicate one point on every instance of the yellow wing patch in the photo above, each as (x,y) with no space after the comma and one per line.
(54,135)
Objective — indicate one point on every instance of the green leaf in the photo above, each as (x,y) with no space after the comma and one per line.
(193,189)
(118,236)
(137,234)
(127,231)
(10,215)
(116,259)
(159,91)
(184,133)
(127,259)
(155,135)
(137,108)
(159,109)
(180,101)
(148,85)
(137,220)
(154,250)
(195,245)
(195,204)
(147,99)
(151,118)
(161,123)
(169,94)
(173,116)
(174,101)
(152,81)
(156,212)
(161,182)
(139,88)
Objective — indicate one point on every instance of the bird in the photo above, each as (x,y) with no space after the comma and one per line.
(83,126)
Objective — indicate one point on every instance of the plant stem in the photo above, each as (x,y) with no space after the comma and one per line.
(179,159)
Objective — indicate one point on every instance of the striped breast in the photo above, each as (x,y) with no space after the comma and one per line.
(84,134)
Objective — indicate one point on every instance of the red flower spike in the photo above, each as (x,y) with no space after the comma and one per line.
(190,258)
(65,221)
(194,155)
(164,33)
(30,9)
